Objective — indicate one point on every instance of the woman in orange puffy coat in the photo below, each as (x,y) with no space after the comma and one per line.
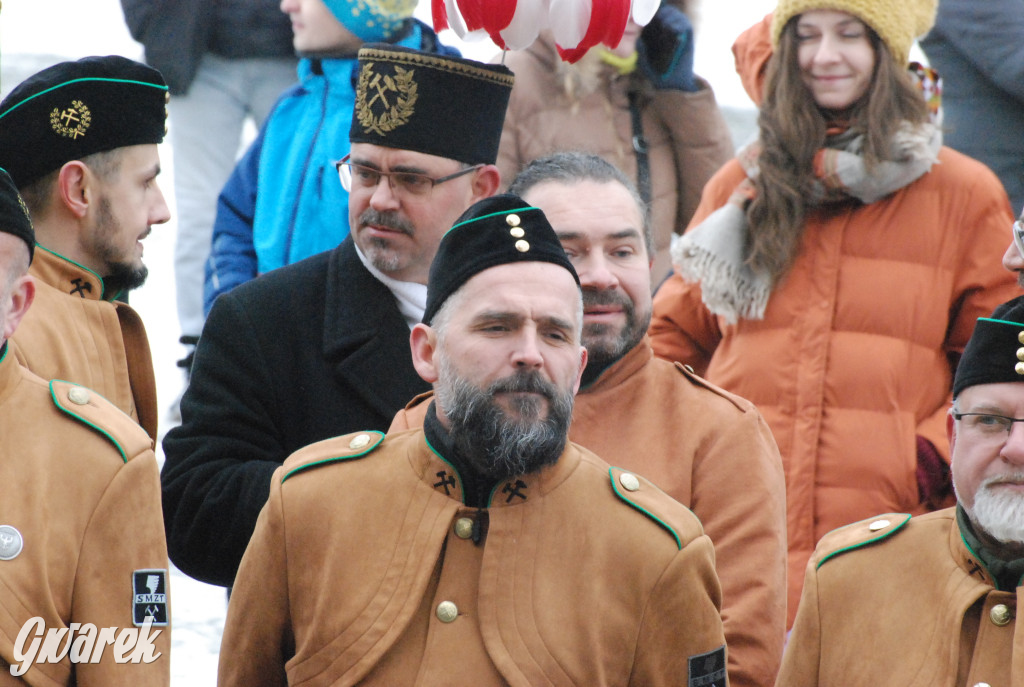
(834,270)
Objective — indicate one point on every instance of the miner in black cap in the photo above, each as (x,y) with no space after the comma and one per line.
(484,549)
(81,533)
(320,347)
(79,139)
(933,599)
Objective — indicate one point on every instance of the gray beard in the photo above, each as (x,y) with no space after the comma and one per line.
(999,514)
(496,444)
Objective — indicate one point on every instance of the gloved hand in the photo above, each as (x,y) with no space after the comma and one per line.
(665,50)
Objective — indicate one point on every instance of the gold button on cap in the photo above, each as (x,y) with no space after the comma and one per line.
(1019,368)
(879,525)
(1000,614)
(78,395)
(464,528)
(522,246)
(1020,354)
(517,232)
(359,441)
(513,221)
(629,481)
(447,612)
(1020,337)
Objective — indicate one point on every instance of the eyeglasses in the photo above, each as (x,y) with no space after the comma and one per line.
(986,424)
(1018,235)
(355,176)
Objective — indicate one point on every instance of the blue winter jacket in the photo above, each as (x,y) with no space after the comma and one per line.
(283,202)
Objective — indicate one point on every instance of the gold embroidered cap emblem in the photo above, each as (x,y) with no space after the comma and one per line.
(71,122)
(394,97)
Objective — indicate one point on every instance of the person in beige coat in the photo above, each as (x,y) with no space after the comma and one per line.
(708,449)
(483,549)
(639,106)
(933,600)
(79,139)
(82,552)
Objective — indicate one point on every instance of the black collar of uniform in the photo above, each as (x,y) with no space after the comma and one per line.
(1008,574)
(476,488)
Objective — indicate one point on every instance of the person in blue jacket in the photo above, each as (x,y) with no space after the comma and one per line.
(283,202)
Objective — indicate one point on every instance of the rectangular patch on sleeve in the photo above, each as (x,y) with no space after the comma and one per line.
(149,597)
(707,670)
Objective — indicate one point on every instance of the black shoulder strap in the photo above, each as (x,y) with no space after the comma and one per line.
(643,167)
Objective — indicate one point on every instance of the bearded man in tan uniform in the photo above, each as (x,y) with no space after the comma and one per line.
(708,449)
(80,142)
(82,552)
(933,600)
(483,549)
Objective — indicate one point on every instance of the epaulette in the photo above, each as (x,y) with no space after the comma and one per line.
(738,401)
(641,494)
(346,447)
(859,535)
(100,415)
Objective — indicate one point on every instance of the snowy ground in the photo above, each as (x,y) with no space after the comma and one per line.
(36,33)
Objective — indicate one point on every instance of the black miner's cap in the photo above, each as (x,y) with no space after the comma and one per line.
(75,109)
(429,103)
(494,231)
(995,353)
(14,217)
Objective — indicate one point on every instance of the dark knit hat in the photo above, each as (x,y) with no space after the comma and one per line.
(14,217)
(75,109)
(429,103)
(995,353)
(494,231)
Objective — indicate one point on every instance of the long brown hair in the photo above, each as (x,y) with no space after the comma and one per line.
(793,128)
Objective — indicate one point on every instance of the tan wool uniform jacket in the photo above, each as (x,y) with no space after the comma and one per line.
(363,570)
(81,530)
(903,601)
(711,452)
(73,333)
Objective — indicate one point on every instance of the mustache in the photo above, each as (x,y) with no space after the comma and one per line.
(606,297)
(1011,478)
(529,381)
(389,220)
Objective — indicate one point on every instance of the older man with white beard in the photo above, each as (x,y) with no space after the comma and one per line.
(933,600)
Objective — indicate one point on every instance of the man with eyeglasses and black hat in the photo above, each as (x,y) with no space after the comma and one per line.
(321,347)
(82,552)
(485,548)
(933,599)
(79,139)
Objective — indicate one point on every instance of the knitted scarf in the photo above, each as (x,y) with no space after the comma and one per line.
(713,252)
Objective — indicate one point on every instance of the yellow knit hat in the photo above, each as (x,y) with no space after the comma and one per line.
(897,22)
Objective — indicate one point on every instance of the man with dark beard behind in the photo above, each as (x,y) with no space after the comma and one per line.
(80,142)
(484,549)
(708,449)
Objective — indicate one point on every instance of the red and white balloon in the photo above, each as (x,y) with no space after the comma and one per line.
(577,25)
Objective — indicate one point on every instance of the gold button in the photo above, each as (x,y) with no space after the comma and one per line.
(1020,337)
(1019,368)
(78,395)
(464,528)
(513,221)
(629,481)
(447,612)
(517,232)
(167,96)
(359,441)
(1000,614)
(879,525)
(522,246)
(1020,354)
